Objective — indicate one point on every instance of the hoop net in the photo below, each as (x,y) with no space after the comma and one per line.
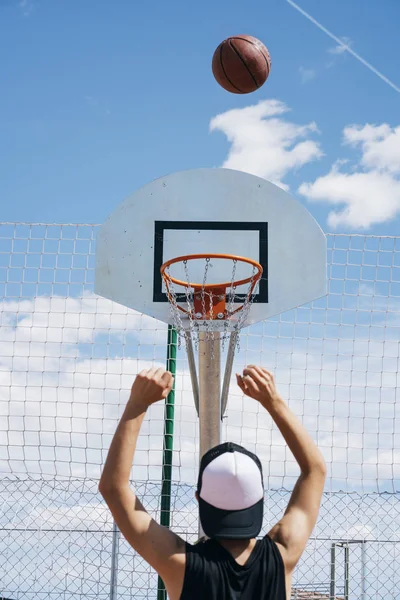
(205,306)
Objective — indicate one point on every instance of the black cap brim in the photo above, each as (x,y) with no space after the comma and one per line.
(231,524)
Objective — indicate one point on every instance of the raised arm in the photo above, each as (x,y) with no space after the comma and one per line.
(160,547)
(292,532)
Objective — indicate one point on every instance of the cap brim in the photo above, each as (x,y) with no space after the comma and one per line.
(231,524)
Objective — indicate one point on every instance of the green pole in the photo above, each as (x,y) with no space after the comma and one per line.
(168,445)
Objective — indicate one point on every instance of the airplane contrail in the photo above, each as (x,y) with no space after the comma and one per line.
(344,46)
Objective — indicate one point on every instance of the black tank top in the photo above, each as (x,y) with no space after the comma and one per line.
(213,574)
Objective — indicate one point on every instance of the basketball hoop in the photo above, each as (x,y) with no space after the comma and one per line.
(211,306)
(166,218)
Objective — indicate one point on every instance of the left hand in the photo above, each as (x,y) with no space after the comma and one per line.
(258,383)
(152,385)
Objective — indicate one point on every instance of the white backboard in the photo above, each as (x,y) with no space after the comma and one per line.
(216,211)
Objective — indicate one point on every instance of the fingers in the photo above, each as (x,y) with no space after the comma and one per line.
(166,376)
(251,385)
(156,373)
(256,382)
(254,375)
(152,385)
(261,371)
(262,377)
(247,384)
(160,377)
(168,380)
(240,382)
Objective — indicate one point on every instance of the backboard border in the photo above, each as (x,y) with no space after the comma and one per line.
(161,226)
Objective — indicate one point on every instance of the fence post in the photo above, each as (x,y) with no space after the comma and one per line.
(114,562)
(346,571)
(363,569)
(332,593)
(168,445)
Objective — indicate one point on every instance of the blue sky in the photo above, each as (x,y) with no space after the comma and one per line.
(99,98)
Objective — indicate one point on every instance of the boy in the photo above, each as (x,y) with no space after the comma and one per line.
(232,564)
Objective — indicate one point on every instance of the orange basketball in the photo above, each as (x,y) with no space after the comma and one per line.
(241,64)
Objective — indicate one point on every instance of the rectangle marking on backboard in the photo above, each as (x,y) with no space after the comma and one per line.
(177,238)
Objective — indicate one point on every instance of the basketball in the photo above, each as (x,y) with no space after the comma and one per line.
(241,64)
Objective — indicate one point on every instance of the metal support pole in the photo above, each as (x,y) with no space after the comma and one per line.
(332,592)
(363,570)
(192,369)
(346,571)
(114,562)
(210,390)
(228,371)
(210,393)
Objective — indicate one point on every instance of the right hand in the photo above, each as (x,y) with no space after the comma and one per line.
(258,383)
(151,385)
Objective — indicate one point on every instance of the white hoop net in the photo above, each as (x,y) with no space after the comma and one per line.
(194,309)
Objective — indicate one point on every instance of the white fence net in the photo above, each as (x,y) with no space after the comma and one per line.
(67,361)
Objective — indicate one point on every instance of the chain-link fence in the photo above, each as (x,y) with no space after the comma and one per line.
(57,541)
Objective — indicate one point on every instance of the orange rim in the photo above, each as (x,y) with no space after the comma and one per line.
(210,286)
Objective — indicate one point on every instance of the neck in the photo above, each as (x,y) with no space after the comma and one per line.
(237,546)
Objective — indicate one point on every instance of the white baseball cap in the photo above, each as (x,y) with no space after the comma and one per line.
(231,492)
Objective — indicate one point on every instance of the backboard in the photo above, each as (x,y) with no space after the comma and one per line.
(218,211)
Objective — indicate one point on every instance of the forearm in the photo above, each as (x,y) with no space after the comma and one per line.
(299,441)
(119,461)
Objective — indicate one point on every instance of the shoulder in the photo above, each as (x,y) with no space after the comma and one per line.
(202,558)
(276,549)
(200,570)
(201,548)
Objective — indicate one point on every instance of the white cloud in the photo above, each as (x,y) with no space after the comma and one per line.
(307,75)
(60,403)
(341,48)
(380,145)
(57,324)
(264,143)
(66,367)
(370,194)
(26,7)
